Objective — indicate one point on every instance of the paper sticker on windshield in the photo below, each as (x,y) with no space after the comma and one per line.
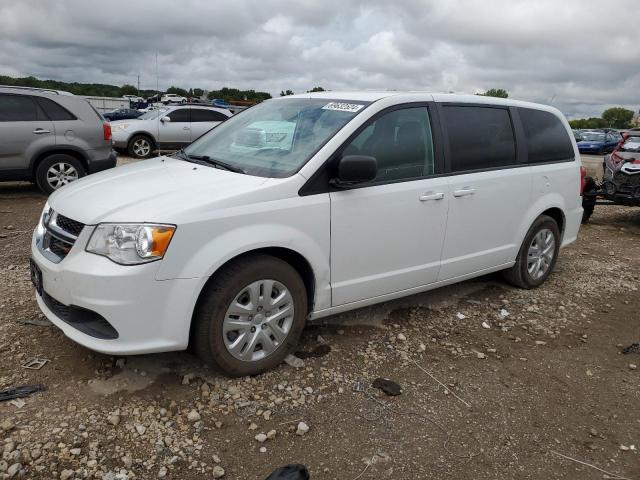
(343,107)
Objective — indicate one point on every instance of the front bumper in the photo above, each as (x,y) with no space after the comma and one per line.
(148,315)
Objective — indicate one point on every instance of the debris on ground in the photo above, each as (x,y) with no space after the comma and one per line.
(504,313)
(290,472)
(302,428)
(35,363)
(38,322)
(319,351)
(294,361)
(633,348)
(387,386)
(460,316)
(358,385)
(20,392)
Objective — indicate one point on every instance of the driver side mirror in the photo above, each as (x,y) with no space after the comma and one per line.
(354,169)
(165,119)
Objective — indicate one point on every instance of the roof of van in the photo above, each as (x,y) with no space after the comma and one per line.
(372,96)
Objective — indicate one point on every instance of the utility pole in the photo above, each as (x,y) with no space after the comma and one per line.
(138,84)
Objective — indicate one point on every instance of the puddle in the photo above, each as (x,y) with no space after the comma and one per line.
(140,372)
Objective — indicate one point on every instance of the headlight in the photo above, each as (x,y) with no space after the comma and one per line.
(131,243)
(44,219)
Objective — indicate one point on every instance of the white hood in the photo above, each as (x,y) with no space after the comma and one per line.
(155,190)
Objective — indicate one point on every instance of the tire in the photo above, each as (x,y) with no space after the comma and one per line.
(588,201)
(140,146)
(58,170)
(229,287)
(519,275)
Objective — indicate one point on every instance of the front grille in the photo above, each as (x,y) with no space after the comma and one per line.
(60,234)
(70,226)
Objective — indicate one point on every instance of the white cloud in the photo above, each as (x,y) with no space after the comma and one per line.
(579,54)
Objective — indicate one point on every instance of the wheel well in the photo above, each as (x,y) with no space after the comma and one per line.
(293,258)
(77,155)
(558,216)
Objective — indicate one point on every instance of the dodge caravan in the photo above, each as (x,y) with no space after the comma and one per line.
(303,207)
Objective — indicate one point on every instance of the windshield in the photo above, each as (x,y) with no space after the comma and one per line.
(593,137)
(277,137)
(632,144)
(152,114)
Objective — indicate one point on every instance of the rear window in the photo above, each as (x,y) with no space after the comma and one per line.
(54,111)
(17,108)
(479,137)
(547,138)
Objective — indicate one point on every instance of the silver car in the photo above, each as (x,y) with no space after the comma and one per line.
(51,137)
(168,127)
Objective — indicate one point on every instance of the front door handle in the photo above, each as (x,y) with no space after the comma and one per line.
(40,131)
(186,128)
(464,192)
(431,196)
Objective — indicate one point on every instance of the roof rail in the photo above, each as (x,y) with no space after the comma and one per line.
(36,89)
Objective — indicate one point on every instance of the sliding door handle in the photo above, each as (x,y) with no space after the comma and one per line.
(464,192)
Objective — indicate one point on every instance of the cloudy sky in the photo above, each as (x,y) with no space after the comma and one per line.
(579,55)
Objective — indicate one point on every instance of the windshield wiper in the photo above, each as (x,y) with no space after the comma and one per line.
(216,163)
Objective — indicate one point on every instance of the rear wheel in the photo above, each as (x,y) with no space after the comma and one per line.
(250,316)
(140,146)
(58,170)
(537,256)
(588,199)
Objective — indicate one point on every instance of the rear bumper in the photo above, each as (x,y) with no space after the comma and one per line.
(99,164)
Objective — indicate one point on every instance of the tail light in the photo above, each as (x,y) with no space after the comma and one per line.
(583,181)
(106,130)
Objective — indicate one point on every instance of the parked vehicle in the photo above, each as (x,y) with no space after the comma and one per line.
(134,98)
(621,177)
(373,197)
(598,143)
(172,98)
(169,127)
(122,114)
(51,138)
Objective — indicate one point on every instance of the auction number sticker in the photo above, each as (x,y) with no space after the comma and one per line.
(343,107)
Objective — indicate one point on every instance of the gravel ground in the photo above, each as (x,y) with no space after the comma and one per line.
(496,383)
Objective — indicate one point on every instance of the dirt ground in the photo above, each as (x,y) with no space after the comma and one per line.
(523,378)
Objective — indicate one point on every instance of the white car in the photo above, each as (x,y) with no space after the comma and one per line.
(303,207)
(172,98)
(168,127)
(134,98)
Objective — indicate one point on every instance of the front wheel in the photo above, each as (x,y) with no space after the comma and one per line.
(250,316)
(537,256)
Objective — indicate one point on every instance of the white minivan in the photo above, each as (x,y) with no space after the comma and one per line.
(303,207)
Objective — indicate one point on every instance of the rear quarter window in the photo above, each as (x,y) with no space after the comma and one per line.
(54,111)
(547,138)
(479,137)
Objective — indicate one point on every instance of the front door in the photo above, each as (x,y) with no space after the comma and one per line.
(177,131)
(203,120)
(387,236)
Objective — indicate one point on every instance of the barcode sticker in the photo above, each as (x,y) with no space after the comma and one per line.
(343,107)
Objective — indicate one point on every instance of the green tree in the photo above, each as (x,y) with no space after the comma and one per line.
(588,123)
(127,89)
(178,91)
(316,89)
(617,117)
(495,92)
(284,93)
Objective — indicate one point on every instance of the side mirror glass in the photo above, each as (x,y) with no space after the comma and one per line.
(354,169)
(165,119)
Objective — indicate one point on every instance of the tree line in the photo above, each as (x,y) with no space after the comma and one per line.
(615,117)
(105,90)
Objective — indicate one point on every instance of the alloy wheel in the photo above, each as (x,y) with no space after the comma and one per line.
(142,147)
(60,174)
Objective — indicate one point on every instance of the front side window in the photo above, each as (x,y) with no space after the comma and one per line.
(277,137)
(547,138)
(17,108)
(479,137)
(401,142)
(204,115)
(180,115)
